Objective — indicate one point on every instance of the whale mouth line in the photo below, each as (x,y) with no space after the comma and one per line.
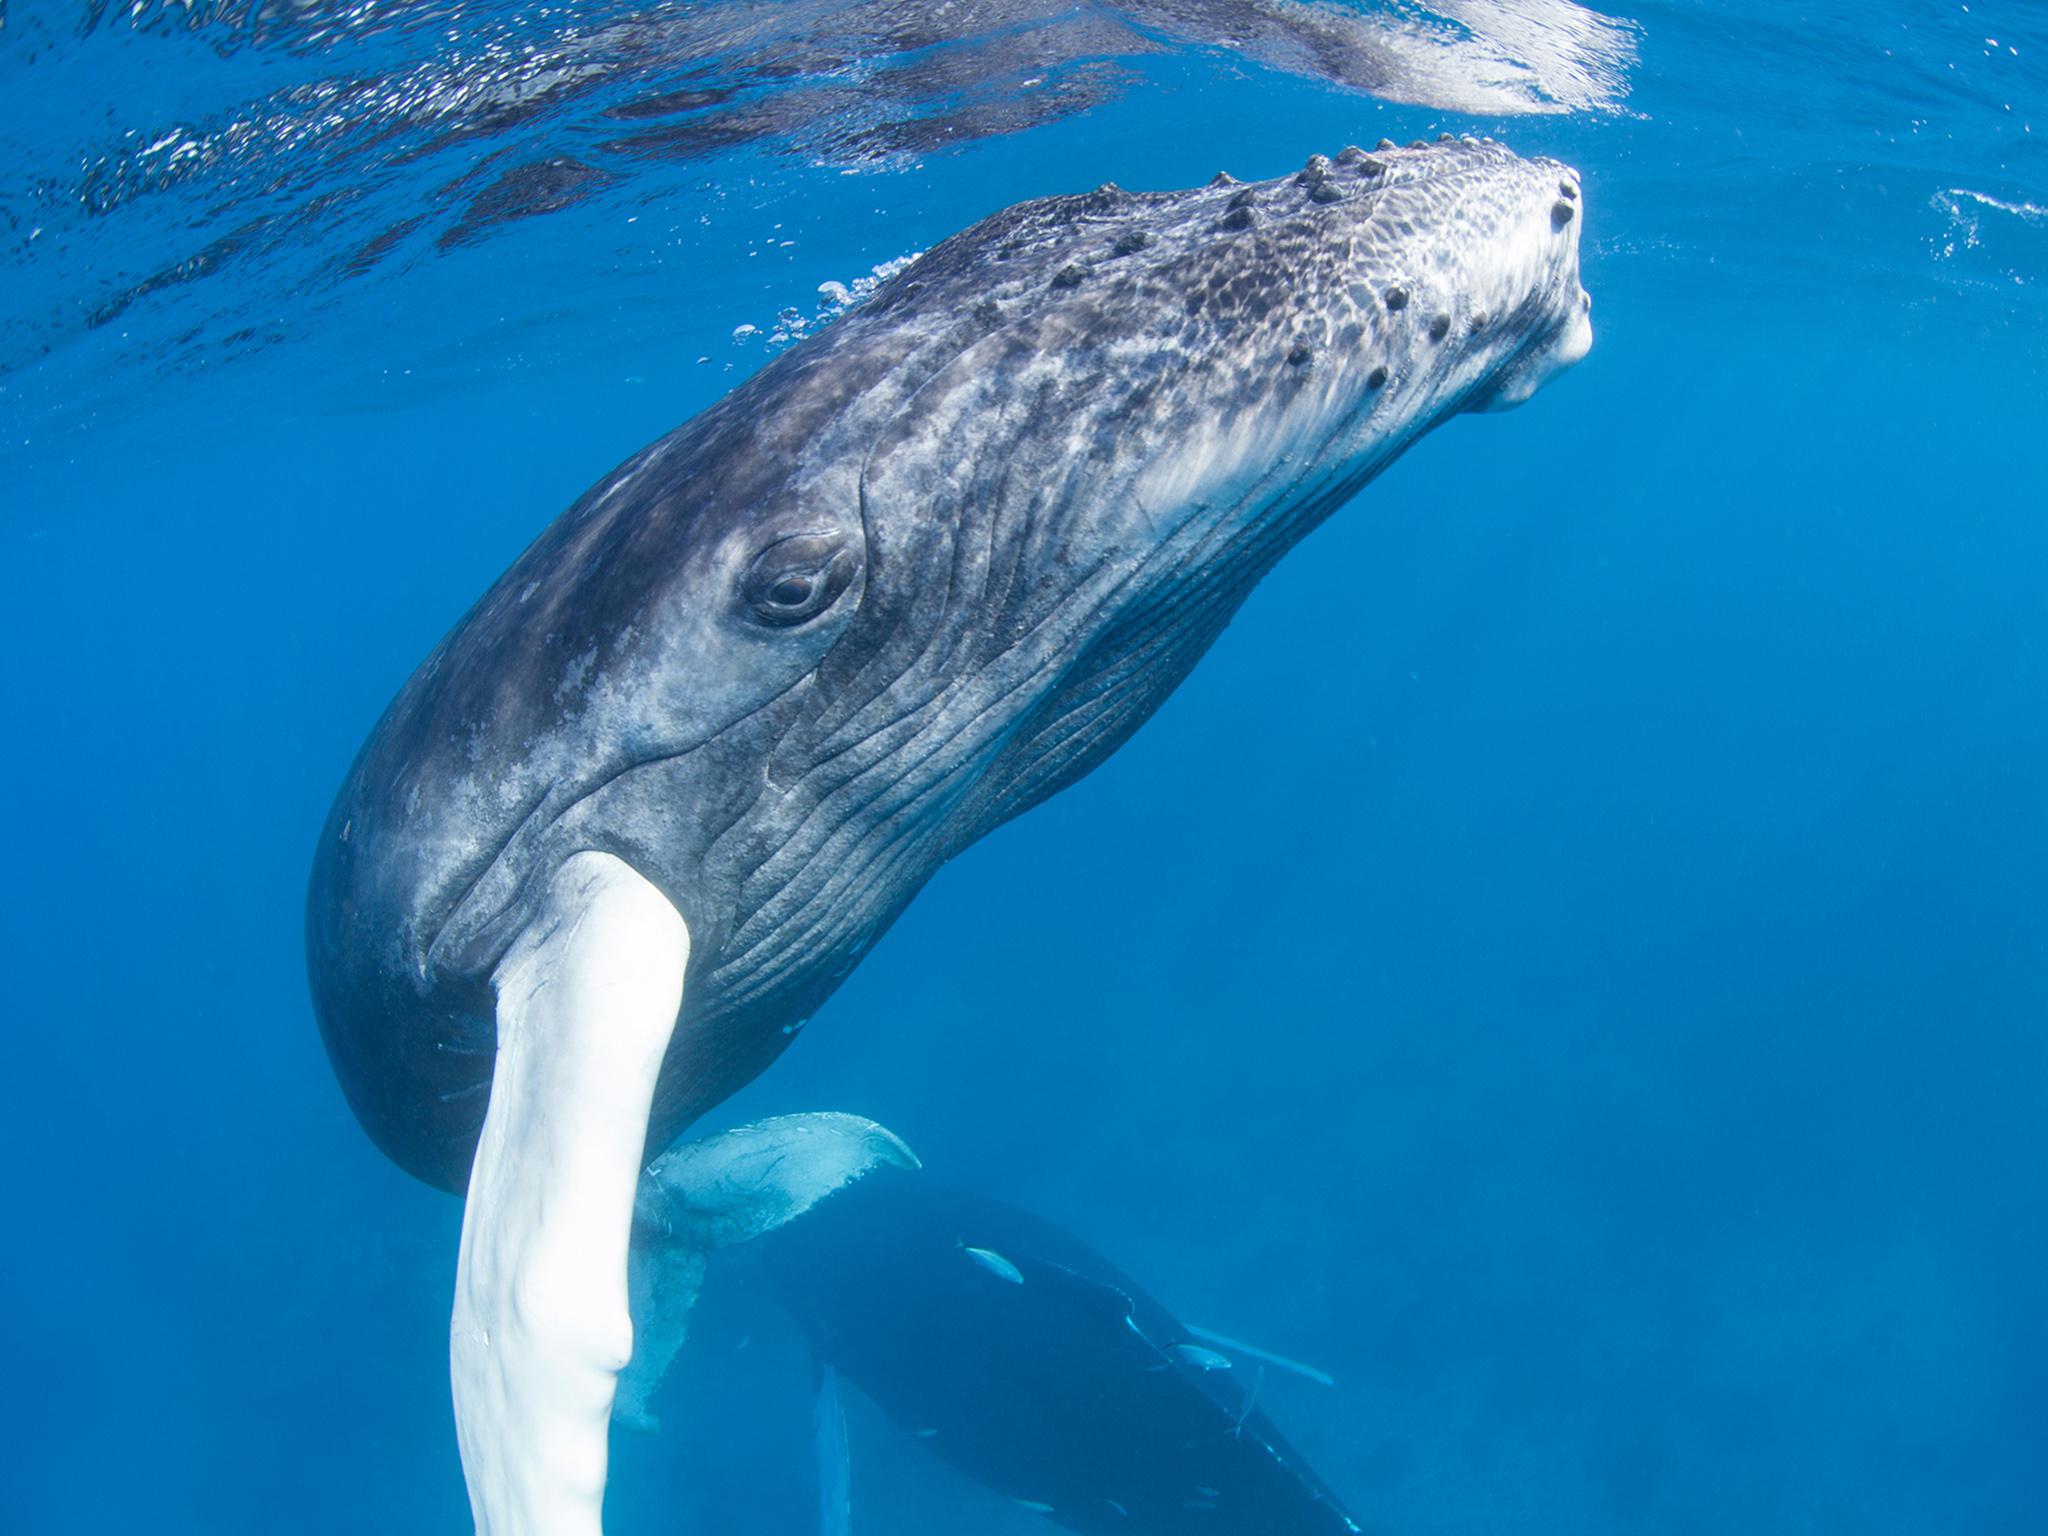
(436,952)
(1548,352)
(480,930)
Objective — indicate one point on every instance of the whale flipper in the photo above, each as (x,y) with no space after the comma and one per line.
(711,1194)
(587,998)
(834,1469)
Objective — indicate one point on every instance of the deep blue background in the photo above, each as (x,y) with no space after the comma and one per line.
(1571,962)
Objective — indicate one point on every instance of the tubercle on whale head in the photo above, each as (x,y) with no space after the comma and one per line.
(1472,254)
(1559,333)
(1306,325)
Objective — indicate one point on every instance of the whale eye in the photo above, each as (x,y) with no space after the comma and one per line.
(799,577)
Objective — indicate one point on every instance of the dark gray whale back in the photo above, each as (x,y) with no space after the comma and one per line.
(1063,1387)
(917,574)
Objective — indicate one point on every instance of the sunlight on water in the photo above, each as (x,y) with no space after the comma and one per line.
(200,182)
(2007,238)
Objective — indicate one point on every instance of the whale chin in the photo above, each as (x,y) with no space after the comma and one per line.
(1572,341)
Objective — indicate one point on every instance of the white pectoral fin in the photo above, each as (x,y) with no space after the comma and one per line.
(749,1180)
(725,1189)
(587,999)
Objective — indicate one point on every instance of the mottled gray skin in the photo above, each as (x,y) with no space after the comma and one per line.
(916,575)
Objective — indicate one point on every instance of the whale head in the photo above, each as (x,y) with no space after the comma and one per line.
(920,572)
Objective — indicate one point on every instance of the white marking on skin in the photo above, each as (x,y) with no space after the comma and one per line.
(575,673)
(1224,1341)
(1244,1409)
(587,1000)
(996,1264)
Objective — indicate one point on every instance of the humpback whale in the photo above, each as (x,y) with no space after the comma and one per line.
(648,803)
(1057,1382)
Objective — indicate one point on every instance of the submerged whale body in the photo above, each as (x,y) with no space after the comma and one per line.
(651,800)
(1066,1388)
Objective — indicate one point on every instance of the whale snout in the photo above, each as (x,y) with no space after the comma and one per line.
(1460,262)
(1567,343)
(1541,251)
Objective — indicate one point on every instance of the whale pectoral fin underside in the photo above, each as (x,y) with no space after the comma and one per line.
(725,1189)
(834,1462)
(588,997)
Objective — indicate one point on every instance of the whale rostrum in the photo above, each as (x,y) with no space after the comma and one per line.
(649,802)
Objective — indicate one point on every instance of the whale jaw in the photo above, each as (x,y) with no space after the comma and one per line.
(1519,384)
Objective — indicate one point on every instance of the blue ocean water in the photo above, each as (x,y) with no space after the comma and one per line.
(1570,963)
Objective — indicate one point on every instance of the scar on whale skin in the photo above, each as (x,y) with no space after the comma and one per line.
(655,795)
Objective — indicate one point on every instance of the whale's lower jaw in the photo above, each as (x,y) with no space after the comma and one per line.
(1568,344)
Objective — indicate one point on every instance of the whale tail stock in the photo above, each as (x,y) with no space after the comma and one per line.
(543,1327)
